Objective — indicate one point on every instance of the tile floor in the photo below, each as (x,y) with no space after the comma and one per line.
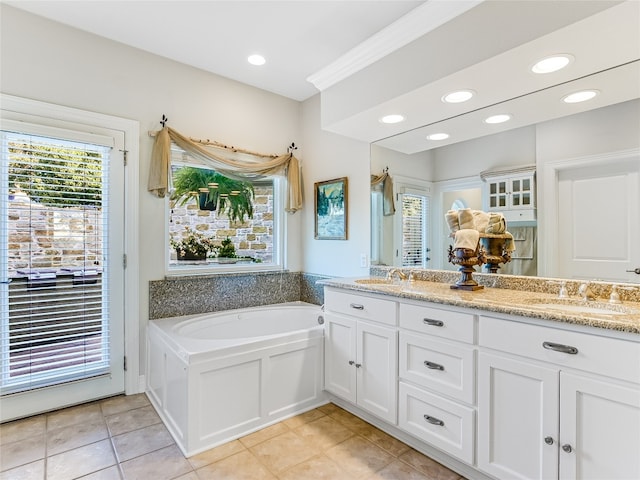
(123,438)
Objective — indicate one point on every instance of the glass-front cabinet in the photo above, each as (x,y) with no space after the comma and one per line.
(511,192)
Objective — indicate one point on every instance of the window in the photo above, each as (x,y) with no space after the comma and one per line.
(414,230)
(54,197)
(217,223)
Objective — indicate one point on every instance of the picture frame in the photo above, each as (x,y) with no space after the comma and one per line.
(331,209)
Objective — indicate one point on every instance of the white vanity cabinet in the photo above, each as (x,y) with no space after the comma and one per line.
(437,377)
(554,403)
(361,351)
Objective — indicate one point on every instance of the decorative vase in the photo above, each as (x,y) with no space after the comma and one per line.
(190,256)
(204,204)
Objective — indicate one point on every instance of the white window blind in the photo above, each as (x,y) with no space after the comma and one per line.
(53,238)
(414,230)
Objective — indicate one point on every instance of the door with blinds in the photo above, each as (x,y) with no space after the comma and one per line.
(61,267)
(412,245)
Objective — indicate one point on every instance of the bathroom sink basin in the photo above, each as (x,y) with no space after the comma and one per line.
(374,281)
(587,308)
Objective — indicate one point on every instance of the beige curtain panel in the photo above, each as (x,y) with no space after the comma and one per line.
(388,205)
(233,163)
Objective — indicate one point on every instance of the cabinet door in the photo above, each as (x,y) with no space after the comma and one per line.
(377,370)
(521,192)
(600,421)
(340,356)
(517,410)
(497,194)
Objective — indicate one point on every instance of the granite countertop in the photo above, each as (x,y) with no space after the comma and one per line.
(624,317)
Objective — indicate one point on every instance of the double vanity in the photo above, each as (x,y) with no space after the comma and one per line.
(507,383)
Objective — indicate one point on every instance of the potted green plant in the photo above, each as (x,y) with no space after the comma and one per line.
(228,196)
(193,245)
(226,252)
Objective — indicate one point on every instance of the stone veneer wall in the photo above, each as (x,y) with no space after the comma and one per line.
(252,238)
(179,296)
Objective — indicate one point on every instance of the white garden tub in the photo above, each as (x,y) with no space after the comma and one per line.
(216,377)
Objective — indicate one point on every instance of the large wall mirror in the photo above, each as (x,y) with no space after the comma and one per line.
(587,165)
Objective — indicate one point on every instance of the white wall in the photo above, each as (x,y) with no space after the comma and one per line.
(47,61)
(329,156)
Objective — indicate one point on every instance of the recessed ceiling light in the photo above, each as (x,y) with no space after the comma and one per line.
(394,118)
(503,117)
(256,59)
(582,96)
(438,136)
(552,63)
(458,97)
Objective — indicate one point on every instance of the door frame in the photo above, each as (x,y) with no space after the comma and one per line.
(548,211)
(16,108)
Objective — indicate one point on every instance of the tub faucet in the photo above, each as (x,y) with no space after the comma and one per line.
(398,272)
(585,292)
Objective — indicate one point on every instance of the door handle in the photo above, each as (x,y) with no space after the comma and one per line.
(635,270)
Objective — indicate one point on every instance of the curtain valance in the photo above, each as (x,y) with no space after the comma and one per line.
(229,162)
(388,205)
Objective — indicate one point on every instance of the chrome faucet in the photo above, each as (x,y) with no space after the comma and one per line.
(398,272)
(584,291)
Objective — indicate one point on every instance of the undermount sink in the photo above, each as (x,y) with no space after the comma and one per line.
(577,306)
(374,281)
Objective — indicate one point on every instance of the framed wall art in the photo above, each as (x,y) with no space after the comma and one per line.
(331,209)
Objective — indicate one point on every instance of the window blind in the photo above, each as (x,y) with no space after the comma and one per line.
(414,230)
(53,239)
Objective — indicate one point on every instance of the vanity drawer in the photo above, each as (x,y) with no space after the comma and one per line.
(376,309)
(441,323)
(439,365)
(616,358)
(442,423)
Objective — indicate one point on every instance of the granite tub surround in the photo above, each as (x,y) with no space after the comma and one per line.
(514,295)
(188,295)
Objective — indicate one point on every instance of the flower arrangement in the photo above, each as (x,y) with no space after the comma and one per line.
(227,249)
(193,245)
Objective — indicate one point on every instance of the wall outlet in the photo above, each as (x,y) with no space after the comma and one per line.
(363,260)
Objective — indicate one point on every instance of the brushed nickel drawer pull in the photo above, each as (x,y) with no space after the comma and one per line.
(434,421)
(558,347)
(357,306)
(433,366)
(433,323)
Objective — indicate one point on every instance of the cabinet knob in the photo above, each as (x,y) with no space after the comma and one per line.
(358,365)
(351,362)
(548,440)
(567,448)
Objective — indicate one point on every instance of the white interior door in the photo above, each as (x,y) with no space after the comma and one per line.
(599,221)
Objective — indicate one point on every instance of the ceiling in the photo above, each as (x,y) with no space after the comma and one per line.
(297,37)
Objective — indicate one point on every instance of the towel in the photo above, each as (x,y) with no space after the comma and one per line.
(480,220)
(467,238)
(496,223)
(452,220)
(509,244)
(465,219)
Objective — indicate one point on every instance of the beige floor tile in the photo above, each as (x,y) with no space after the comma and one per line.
(30,471)
(329,408)
(432,469)
(144,440)
(22,452)
(111,473)
(284,451)
(74,415)
(385,441)
(264,434)
(359,457)
(21,429)
(317,468)
(80,461)
(122,403)
(303,418)
(215,454)
(324,433)
(350,421)
(398,471)
(132,420)
(241,466)
(188,476)
(74,436)
(162,464)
